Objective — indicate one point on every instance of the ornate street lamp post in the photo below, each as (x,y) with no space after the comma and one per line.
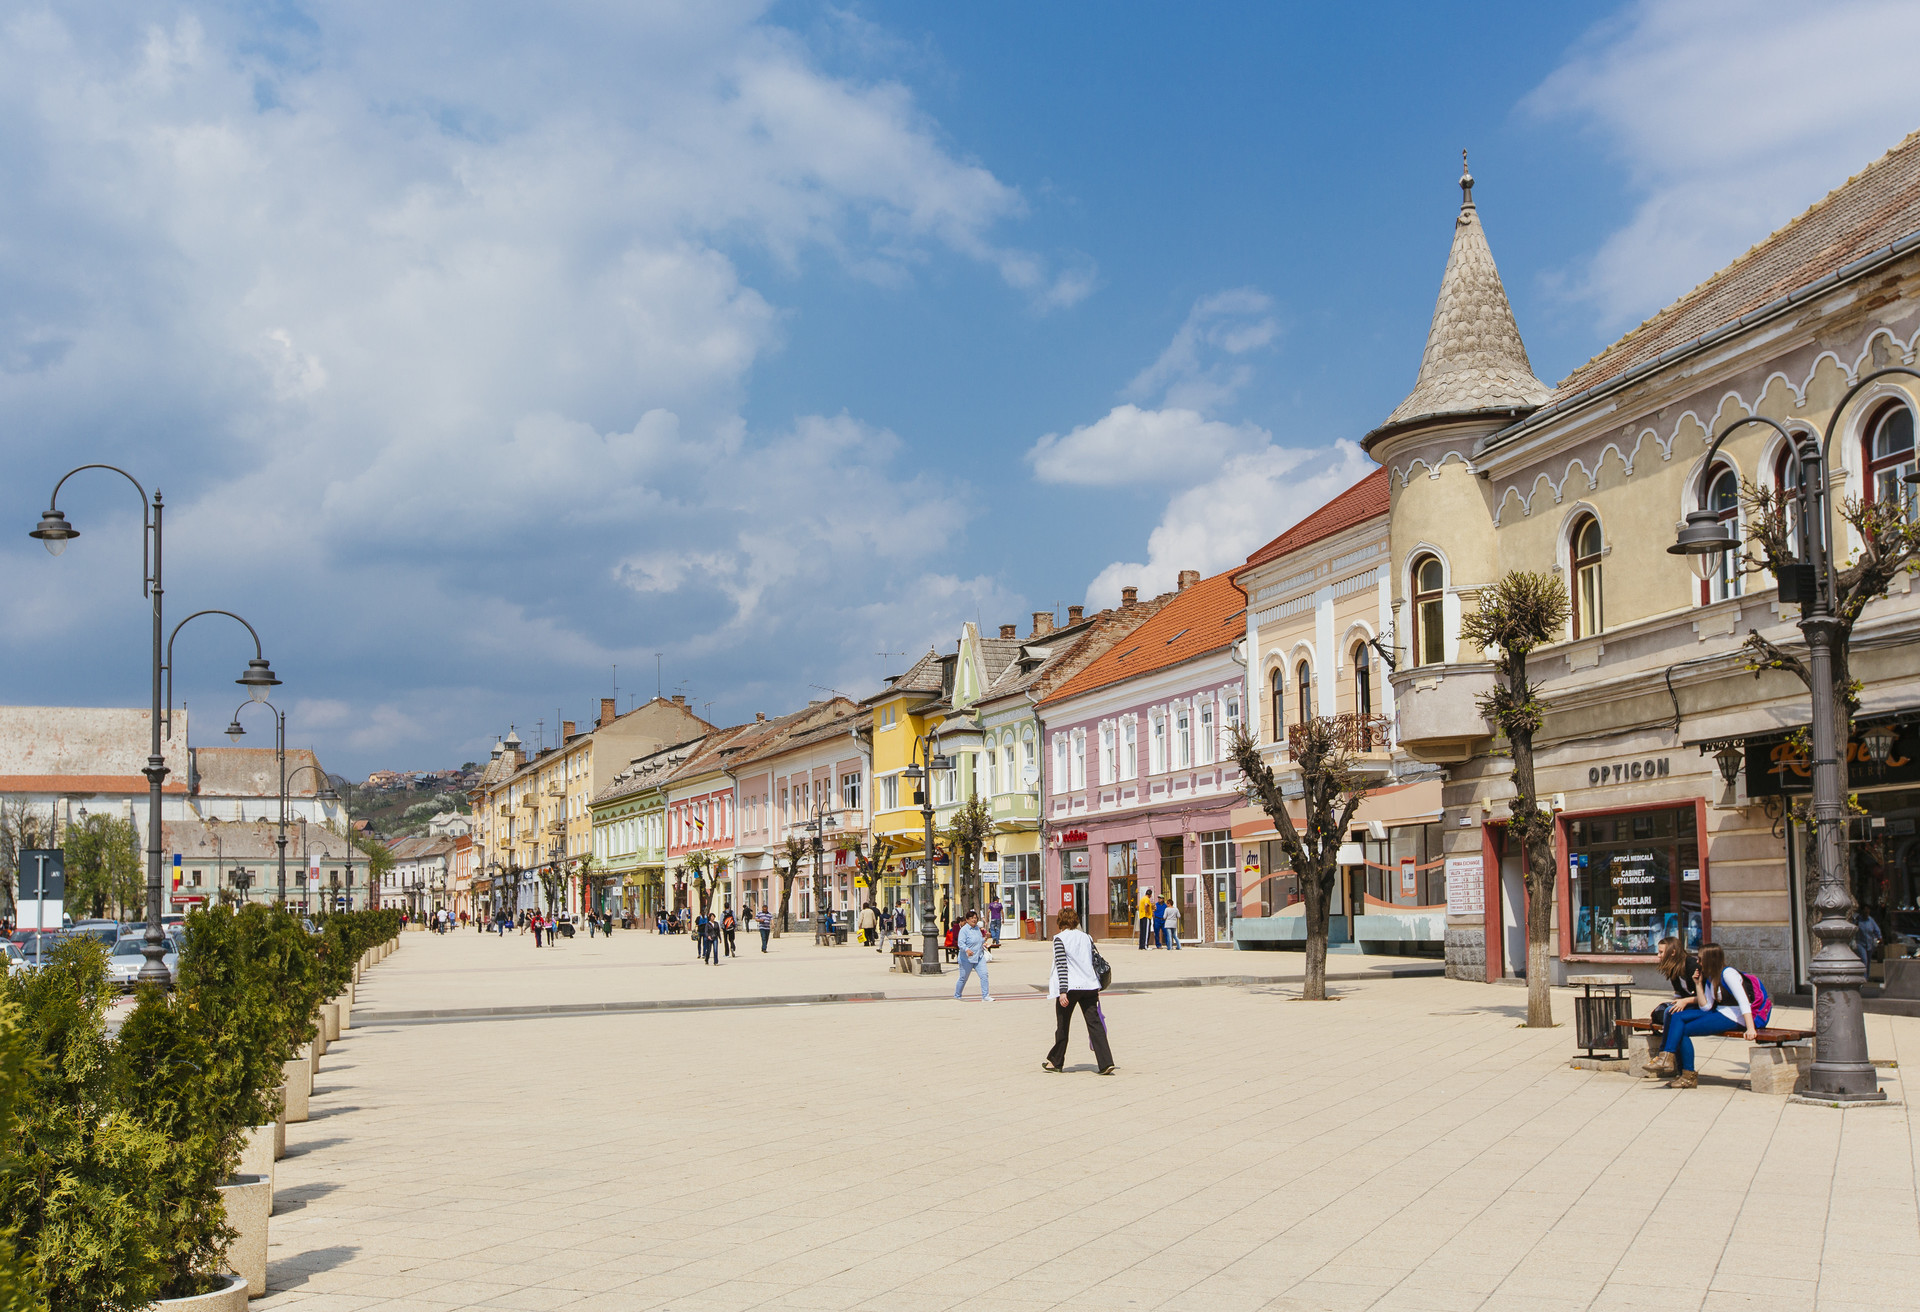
(54,532)
(928,759)
(1841,1070)
(816,828)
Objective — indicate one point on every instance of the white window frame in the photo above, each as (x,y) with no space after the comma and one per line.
(1182,735)
(1060,772)
(1209,731)
(1129,748)
(1079,758)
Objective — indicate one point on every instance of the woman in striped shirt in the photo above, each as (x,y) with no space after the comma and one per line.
(1074,982)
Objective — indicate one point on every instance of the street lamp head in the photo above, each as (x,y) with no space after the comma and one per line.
(1706,538)
(54,532)
(1878,742)
(940,762)
(234,732)
(258,679)
(914,772)
(1728,758)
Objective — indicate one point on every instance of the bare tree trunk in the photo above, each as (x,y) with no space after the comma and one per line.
(1533,831)
(1319,913)
(782,923)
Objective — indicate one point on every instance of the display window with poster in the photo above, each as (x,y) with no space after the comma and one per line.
(1633,878)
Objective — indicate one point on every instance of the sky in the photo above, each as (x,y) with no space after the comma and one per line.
(493,357)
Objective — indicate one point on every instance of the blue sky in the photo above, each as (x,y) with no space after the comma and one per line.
(482,348)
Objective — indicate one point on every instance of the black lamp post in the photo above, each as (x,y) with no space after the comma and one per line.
(327,794)
(1841,1070)
(816,829)
(928,759)
(54,532)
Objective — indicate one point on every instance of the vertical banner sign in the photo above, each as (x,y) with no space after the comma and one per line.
(1466,886)
(176,876)
(1408,876)
(42,895)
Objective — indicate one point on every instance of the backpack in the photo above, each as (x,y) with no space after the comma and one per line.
(1756,994)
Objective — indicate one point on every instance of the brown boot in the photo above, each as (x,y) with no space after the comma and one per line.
(1684,1080)
(1662,1066)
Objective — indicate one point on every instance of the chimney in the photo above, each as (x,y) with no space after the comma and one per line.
(759,717)
(566,730)
(1129,598)
(1074,613)
(1042,623)
(1188,577)
(1009,630)
(679,699)
(609,710)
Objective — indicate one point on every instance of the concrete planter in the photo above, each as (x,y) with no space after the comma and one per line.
(230,1297)
(256,1156)
(330,1021)
(249,1201)
(297,1089)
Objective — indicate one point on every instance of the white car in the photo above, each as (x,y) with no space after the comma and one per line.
(123,966)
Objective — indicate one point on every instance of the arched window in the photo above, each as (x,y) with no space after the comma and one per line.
(1303,680)
(1788,478)
(1362,679)
(1429,611)
(1723,499)
(1278,681)
(1890,457)
(1587,616)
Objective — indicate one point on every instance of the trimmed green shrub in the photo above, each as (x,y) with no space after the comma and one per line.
(88,1196)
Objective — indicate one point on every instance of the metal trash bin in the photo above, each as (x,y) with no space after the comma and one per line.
(1597,1015)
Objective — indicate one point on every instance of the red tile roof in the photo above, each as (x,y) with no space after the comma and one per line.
(1206,617)
(1874,208)
(86,783)
(1362,501)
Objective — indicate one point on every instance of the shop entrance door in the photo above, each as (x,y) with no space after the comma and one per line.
(1513,915)
(1184,906)
(1074,894)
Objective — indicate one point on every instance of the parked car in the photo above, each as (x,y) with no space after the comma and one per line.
(107,931)
(36,948)
(123,966)
(16,959)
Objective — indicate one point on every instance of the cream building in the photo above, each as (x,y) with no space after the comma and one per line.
(1661,747)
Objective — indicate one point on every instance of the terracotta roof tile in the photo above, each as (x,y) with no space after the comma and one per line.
(1209,615)
(87,783)
(1362,501)
(1872,209)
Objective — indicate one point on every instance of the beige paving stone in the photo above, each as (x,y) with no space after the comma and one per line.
(1408,1147)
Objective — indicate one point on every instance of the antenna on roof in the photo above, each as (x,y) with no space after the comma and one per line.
(656,676)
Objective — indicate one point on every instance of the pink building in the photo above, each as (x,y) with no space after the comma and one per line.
(1138,778)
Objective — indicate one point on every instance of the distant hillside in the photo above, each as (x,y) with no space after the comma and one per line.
(402,810)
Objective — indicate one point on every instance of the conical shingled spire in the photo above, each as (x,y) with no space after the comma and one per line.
(1474,360)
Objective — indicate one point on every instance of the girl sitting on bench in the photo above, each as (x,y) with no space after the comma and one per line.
(1679,966)
(1725,1000)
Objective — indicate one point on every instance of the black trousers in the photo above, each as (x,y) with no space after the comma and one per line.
(1146,923)
(1088,1001)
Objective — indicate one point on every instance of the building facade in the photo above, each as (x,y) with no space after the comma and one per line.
(1138,780)
(1670,763)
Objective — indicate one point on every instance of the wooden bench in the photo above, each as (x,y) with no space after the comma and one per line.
(1774,1067)
(906,960)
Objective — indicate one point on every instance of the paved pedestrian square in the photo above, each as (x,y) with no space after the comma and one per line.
(1408,1146)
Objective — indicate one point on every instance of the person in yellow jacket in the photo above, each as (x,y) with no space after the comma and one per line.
(1145,913)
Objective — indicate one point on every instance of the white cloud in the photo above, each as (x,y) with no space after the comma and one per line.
(1203,366)
(1730,117)
(434,318)
(1252,499)
(1131,445)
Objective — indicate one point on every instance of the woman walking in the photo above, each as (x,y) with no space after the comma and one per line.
(1075,983)
(1725,1000)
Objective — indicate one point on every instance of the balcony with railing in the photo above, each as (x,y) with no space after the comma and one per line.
(1367,740)
(1438,710)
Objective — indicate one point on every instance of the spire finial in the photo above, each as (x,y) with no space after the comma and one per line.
(1466,183)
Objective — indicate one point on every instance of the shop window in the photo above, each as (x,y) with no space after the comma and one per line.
(1303,686)
(1123,887)
(1278,684)
(1890,457)
(1387,877)
(1588,619)
(1633,879)
(1362,679)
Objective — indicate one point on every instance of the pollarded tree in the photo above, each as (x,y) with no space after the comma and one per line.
(969,830)
(790,858)
(697,867)
(1330,792)
(1518,613)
